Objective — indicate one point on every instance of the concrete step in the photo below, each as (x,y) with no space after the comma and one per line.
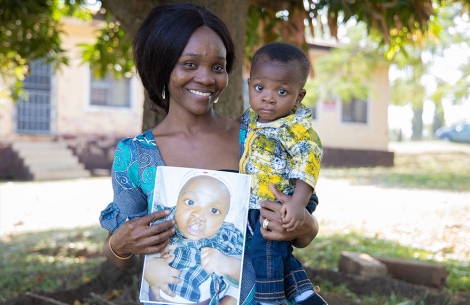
(60,174)
(52,156)
(68,164)
(49,156)
(49,161)
(20,146)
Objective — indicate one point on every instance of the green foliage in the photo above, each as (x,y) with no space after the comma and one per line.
(255,37)
(407,90)
(262,26)
(399,22)
(413,67)
(111,53)
(346,71)
(392,30)
(397,30)
(29,30)
(460,91)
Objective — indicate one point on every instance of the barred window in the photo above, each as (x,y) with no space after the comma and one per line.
(34,115)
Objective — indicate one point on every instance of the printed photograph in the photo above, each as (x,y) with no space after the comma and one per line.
(204,258)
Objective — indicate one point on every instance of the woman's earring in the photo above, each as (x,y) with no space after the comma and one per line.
(216,100)
(163,92)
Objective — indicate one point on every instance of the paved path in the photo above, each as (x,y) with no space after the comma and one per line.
(427,219)
(26,206)
(435,220)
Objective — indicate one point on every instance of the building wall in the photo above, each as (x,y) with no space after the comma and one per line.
(92,132)
(355,144)
(74,114)
(371,135)
(6,118)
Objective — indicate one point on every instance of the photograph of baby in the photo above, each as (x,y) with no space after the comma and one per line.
(203,261)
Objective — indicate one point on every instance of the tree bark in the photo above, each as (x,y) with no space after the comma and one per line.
(234,14)
(439,119)
(417,123)
(131,13)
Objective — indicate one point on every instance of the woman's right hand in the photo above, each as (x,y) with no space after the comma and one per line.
(137,236)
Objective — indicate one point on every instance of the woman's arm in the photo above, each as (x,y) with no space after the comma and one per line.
(138,237)
(271,210)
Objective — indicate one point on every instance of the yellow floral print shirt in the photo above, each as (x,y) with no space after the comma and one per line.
(280,152)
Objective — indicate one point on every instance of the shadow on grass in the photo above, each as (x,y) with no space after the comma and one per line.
(67,265)
(49,260)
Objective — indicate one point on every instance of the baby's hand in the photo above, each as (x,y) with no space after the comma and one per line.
(212,260)
(159,274)
(292,215)
(168,251)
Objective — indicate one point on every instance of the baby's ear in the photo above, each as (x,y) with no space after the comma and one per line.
(300,97)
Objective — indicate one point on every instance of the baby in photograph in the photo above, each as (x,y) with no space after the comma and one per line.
(207,250)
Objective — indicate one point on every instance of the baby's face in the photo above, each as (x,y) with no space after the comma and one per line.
(202,205)
(274,89)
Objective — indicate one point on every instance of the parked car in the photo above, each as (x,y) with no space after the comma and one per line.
(458,133)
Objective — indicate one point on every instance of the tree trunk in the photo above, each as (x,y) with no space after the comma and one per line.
(417,123)
(438,121)
(234,14)
(131,13)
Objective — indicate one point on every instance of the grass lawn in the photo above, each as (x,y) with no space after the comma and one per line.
(435,170)
(61,259)
(49,260)
(325,252)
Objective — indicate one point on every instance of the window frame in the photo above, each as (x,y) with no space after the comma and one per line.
(353,118)
(117,108)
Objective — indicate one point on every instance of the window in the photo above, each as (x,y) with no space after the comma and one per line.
(110,91)
(34,115)
(355,111)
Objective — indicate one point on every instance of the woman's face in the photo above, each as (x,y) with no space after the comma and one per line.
(201,208)
(199,76)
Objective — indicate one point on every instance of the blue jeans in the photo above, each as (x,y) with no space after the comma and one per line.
(279,275)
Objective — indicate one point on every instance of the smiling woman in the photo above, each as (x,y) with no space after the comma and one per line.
(199,76)
(183,55)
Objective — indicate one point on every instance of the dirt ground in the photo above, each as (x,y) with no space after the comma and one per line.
(433,220)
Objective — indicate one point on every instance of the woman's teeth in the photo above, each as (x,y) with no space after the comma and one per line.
(200,93)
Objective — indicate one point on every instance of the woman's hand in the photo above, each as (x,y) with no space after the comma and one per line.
(137,236)
(158,274)
(272,211)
